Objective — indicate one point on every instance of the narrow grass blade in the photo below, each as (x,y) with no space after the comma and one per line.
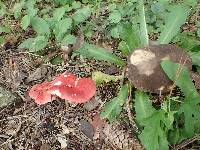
(143,26)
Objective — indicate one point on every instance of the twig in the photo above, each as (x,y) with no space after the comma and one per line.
(186,142)
(180,68)
(130,115)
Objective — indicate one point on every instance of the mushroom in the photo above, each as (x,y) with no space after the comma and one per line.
(77,90)
(65,86)
(145,71)
(39,93)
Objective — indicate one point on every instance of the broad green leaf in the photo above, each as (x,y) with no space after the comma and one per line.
(198,31)
(5,29)
(191,110)
(182,80)
(153,136)
(113,108)
(92,51)
(112,7)
(57,60)
(174,136)
(130,35)
(115,17)
(2,40)
(192,3)
(58,13)
(186,41)
(40,42)
(40,25)
(100,77)
(27,43)
(61,28)
(156,123)
(68,39)
(115,32)
(76,5)
(34,44)
(143,106)
(174,21)
(124,48)
(82,14)
(18,8)
(195,58)
(31,10)
(25,22)
(3,10)
(143,26)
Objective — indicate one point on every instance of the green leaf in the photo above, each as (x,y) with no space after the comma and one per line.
(18,8)
(156,123)
(143,26)
(82,14)
(183,80)
(191,3)
(124,48)
(68,39)
(5,29)
(58,13)
(3,10)
(61,28)
(174,136)
(113,108)
(195,58)
(154,137)
(115,32)
(2,40)
(57,60)
(40,25)
(27,43)
(92,51)
(32,11)
(76,5)
(40,42)
(115,17)
(25,22)
(100,77)
(191,110)
(174,21)
(198,31)
(186,41)
(34,44)
(130,35)
(143,106)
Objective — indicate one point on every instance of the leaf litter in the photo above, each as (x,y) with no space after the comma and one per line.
(56,125)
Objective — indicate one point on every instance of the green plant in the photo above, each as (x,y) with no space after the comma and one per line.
(133,23)
(159,126)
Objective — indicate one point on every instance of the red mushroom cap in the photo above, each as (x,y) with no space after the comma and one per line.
(78,90)
(39,93)
(67,79)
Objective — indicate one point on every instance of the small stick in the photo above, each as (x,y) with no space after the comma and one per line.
(186,142)
(130,115)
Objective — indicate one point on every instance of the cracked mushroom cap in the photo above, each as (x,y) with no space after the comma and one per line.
(75,90)
(145,71)
(39,93)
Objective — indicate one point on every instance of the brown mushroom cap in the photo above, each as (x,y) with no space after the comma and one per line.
(145,71)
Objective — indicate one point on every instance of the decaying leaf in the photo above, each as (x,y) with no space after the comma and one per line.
(100,77)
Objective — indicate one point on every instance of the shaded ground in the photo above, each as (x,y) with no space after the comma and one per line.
(56,125)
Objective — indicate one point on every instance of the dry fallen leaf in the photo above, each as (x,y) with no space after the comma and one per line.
(62,140)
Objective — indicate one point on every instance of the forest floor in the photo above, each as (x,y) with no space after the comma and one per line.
(59,125)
